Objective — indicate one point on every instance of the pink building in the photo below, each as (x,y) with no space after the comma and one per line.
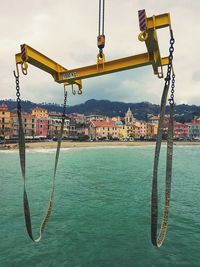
(142,128)
(40,115)
(180,130)
(41,127)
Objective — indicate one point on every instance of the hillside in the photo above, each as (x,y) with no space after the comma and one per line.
(183,113)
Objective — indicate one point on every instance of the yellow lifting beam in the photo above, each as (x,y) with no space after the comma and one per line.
(148,27)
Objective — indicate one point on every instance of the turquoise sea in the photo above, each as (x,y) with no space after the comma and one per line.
(101,212)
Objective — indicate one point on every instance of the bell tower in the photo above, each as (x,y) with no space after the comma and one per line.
(129,118)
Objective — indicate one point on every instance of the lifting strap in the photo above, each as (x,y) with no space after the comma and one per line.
(27,214)
(154,199)
(157,241)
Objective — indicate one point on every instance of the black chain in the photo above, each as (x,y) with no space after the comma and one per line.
(17,91)
(168,77)
(171,100)
(65,104)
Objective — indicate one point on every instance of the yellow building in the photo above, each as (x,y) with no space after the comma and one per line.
(123,132)
(40,112)
(103,129)
(4,122)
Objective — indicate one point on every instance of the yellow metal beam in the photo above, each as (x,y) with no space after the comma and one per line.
(74,76)
(150,37)
(108,67)
(162,20)
(42,62)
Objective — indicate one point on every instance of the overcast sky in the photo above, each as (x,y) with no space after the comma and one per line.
(66,31)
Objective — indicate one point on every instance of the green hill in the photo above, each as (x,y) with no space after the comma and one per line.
(142,111)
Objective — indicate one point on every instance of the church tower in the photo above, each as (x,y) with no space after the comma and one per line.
(129,118)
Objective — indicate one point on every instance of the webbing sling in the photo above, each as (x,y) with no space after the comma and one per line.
(27,214)
(157,241)
(170,77)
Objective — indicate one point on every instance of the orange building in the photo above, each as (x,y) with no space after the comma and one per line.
(40,112)
(28,121)
(4,122)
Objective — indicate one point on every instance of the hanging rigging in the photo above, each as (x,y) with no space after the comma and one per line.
(101,36)
(148,27)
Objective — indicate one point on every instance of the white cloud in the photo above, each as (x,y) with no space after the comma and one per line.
(66,31)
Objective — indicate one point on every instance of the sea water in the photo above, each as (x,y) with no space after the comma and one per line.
(101,211)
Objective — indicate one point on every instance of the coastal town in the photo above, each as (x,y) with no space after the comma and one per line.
(42,125)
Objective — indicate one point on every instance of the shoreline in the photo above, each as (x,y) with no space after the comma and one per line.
(68,144)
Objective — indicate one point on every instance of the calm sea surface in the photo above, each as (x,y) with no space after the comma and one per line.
(101,212)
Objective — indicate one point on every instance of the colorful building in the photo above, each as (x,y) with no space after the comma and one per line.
(103,129)
(5,130)
(41,127)
(196,120)
(141,128)
(40,115)
(54,121)
(180,130)
(90,118)
(194,130)
(136,131)
(40,112)
(152,130)
(122,129)
(28,122)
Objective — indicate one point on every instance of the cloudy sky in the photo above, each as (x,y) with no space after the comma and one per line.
(66,31)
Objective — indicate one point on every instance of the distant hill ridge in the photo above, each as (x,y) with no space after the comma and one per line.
(142,111)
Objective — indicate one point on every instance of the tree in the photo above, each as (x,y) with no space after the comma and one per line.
(83,137)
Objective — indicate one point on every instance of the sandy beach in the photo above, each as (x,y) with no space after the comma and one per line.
(68,144)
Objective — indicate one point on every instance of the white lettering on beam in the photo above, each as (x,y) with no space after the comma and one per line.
(69,75)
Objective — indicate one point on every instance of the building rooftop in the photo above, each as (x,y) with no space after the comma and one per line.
(103,123)
(39,109)
(3,107)
(55,114)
